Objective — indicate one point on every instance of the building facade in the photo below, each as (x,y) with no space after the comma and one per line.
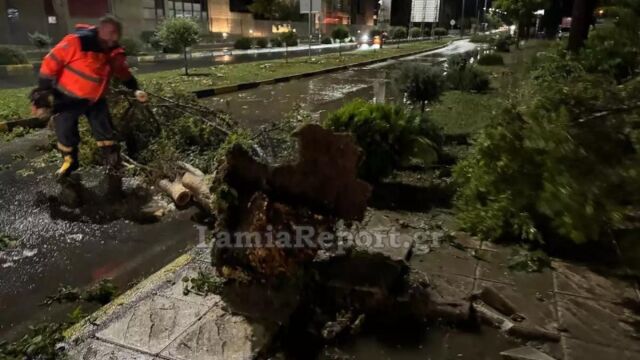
(226,17)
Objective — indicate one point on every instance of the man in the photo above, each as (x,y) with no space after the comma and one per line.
(74,79)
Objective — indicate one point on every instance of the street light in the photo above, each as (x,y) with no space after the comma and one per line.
(462,20)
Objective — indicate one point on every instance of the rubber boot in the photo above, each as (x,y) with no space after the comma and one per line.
(111,158)
(70,163)
(113,177)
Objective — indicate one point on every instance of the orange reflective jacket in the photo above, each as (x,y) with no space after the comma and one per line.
(80,68)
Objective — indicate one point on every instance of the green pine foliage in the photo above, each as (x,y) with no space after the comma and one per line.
(390,137)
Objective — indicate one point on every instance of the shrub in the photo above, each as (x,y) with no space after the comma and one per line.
(289,38)
(440,32)
(554,166)
(11,56)
(276,42)
(398,32)
(131,46)
(146,36)
(40,41)
(243,43)
(613,50)
(468,78)
(415,32)
(420,83)
(340,33)
(389,137)
(262,42)
(491,59)
(503,43)
(157,45)
(426,32)
(481,38)
(327,40)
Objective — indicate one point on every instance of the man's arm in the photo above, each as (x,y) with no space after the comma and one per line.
(121,69)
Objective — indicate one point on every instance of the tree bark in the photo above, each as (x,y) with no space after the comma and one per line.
(552,18)
(581,19)
(186,63)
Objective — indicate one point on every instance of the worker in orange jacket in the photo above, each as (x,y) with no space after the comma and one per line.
(74,79)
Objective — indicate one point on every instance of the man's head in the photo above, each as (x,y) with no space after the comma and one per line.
(109,31)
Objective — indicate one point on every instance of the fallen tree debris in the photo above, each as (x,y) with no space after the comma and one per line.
(180,195)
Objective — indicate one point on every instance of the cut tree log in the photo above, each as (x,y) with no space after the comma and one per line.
(180,195)
(199,185)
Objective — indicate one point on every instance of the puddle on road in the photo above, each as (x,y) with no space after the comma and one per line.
(319,95)
(64,246)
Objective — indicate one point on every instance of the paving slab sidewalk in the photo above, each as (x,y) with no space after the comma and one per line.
(156,320)
(591,313)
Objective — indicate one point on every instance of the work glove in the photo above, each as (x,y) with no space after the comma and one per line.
(41,103)
(141,96)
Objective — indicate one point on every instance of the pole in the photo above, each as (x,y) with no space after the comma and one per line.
(462,20)
(436,17)
(310,11)
(484,13)
(424,18)
(478,14)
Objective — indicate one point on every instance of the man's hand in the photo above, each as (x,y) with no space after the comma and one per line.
(41,103)
(141,96)
(40,113)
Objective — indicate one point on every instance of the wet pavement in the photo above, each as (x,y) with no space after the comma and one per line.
(322,94)
(566,311)
(107,237)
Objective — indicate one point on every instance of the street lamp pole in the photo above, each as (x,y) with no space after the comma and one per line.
(462,20)
(310,12)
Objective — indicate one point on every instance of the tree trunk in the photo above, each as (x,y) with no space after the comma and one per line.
(581,19)
(552,18)
(186,63)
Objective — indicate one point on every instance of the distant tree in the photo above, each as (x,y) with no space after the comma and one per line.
(179,33)
(340,33)
(41,41)
(581,19)
(263,8)
(521,12)
(276,9)
(552,18)
(398,33)
(440,32)
(289,38)
(420,83)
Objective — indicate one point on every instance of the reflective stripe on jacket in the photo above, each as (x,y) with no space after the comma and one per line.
(80,68)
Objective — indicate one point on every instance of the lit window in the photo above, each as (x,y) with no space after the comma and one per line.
(52,20)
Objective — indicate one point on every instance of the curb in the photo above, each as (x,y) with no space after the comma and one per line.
(16,70)
(209,92)
(204,54)
(91,323)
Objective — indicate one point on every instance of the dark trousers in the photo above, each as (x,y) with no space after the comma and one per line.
(67,113)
